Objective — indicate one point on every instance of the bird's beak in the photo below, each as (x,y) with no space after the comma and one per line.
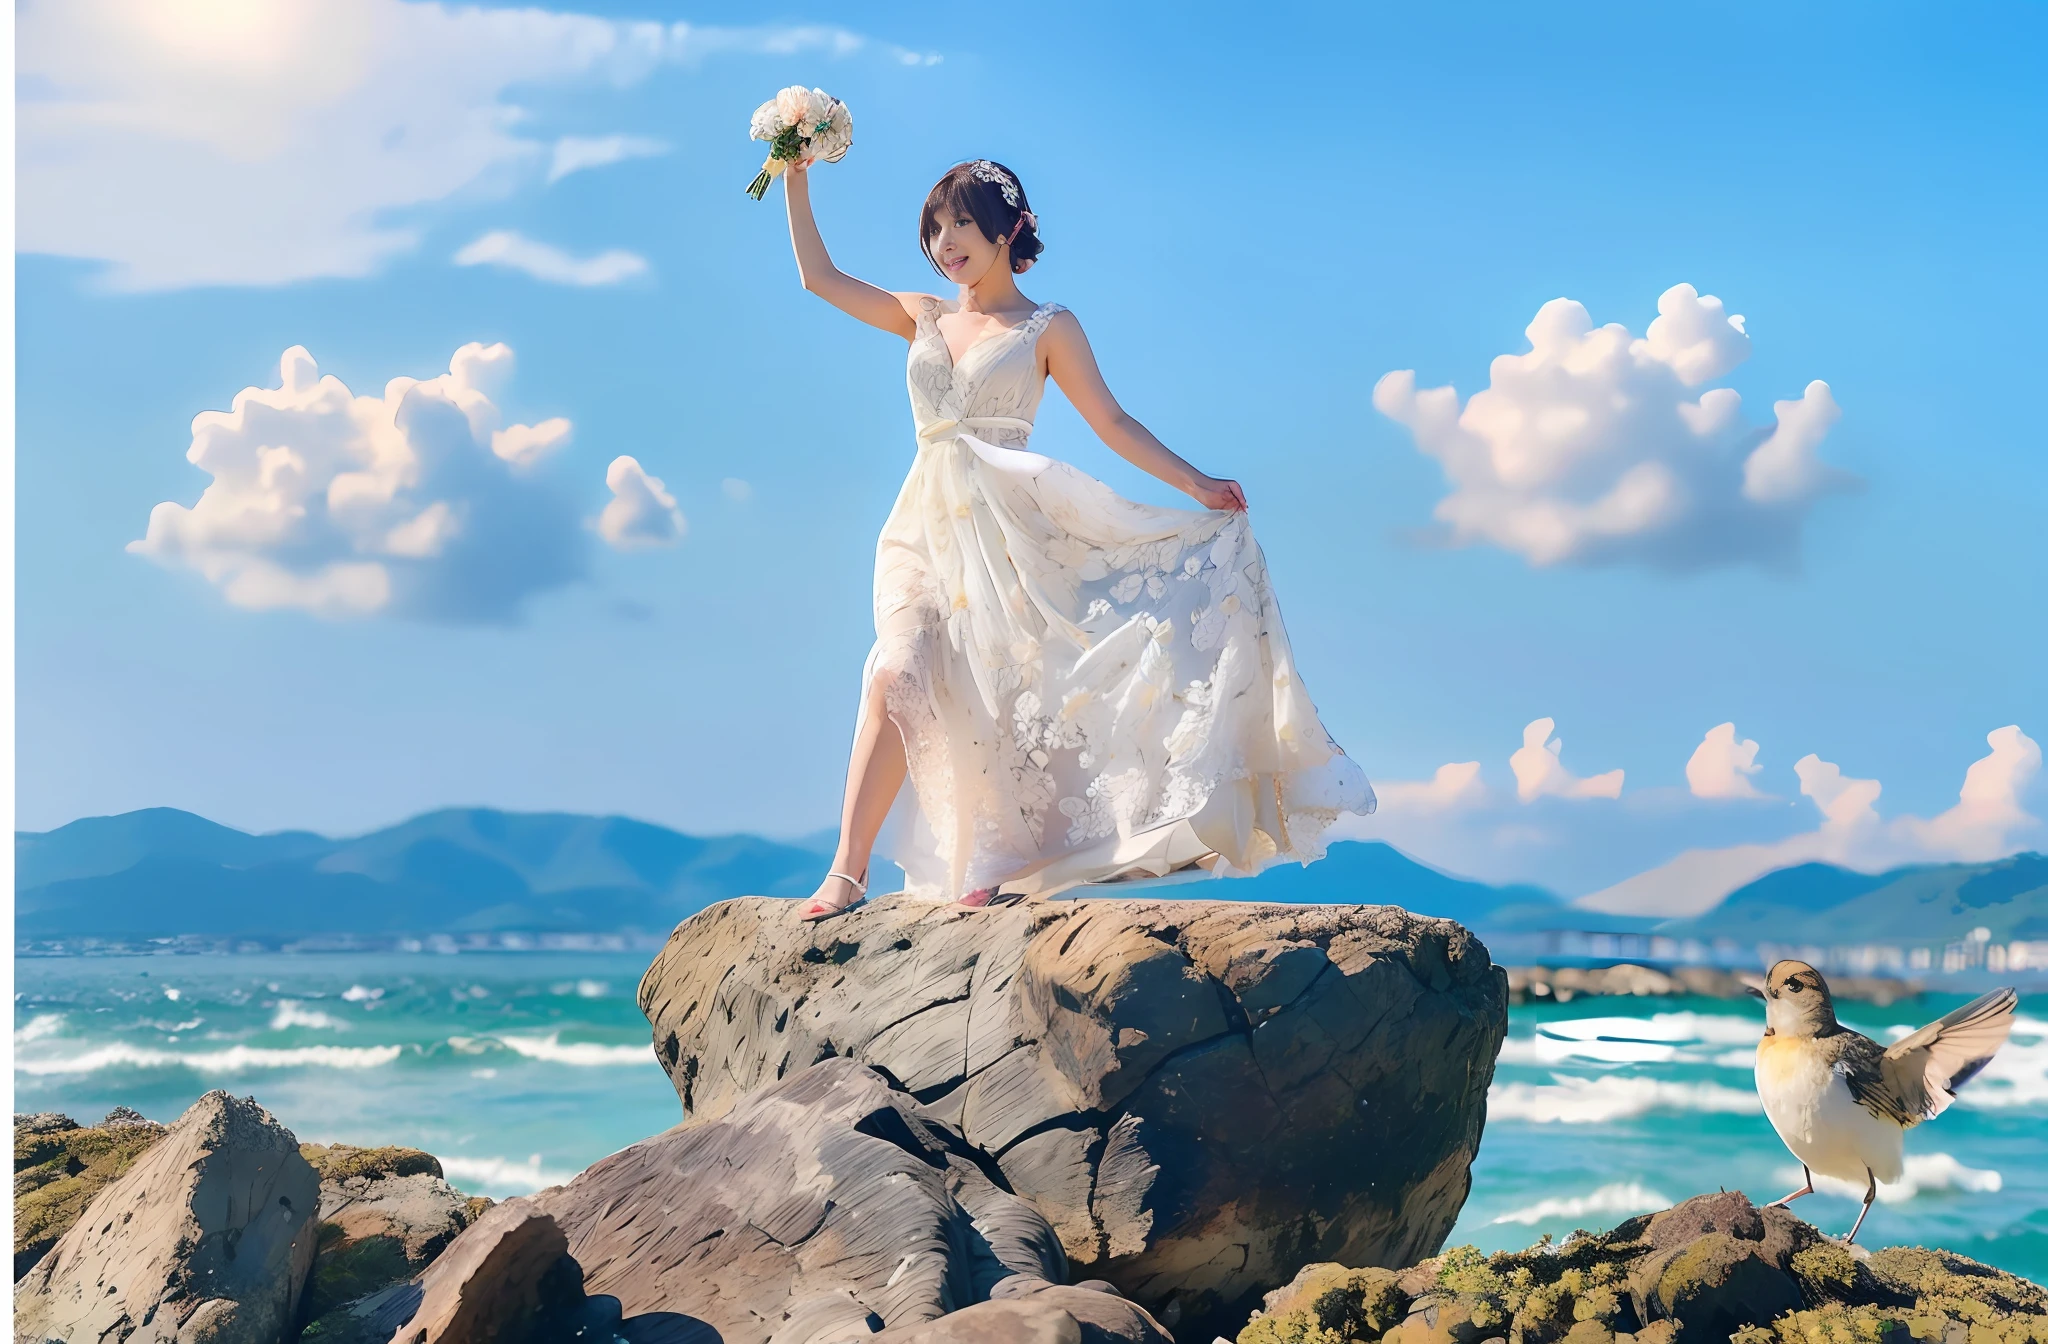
(1754,992)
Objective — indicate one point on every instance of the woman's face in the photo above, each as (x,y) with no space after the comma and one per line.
(962,253)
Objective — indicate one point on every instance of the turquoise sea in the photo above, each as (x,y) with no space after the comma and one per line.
(519,1069)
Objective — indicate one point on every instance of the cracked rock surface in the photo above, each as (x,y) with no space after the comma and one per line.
(207,1236)
(817,1210)
(1199,1097)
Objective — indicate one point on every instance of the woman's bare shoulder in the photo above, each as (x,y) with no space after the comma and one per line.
(1064,328)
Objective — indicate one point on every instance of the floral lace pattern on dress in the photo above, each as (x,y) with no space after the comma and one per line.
(1073,672)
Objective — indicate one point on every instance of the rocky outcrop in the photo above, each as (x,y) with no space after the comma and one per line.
(823,1206)
(385,1213)
(1198,1096)
(508,1281)
(207,1236)
(1713,1268)
(1037,1313)
(59,1165)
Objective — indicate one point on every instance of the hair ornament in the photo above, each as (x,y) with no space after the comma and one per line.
(985,171)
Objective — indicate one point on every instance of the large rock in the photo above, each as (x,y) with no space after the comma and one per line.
(385,1213)
(1037,1313)
(207,1236)
(825,1206)
(1716,1263)
(1200,1096)
(506,1279)
(1713,1268)
(60,1165)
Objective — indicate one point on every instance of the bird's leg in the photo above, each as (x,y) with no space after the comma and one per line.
(1781,1203)
(1869,1197)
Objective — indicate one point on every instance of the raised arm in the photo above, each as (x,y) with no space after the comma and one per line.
(873,305)
(1071,363)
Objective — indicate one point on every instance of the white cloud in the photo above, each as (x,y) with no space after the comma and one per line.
(1985,823)
(1539,771)
(642,512)
(1454,786)
(1987,811)
(204,142)
(515,252)
(418,502)
(1721,765)
(1531,832)
(1460,786)
(736,490)
(575,153)
(1597,447)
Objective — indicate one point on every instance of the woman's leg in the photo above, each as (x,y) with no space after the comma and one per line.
(873,778)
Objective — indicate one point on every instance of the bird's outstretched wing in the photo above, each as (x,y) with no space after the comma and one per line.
(1924,1070)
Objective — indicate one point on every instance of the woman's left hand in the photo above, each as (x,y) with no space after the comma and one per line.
(1219,494)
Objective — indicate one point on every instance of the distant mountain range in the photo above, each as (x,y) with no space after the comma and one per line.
(163,872)
(1820,903)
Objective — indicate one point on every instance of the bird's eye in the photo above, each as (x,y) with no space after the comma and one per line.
(1797,987)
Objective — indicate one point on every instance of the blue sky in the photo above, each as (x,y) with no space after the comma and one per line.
(1255,217)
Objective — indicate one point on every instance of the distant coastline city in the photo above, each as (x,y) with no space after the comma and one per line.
(480,880)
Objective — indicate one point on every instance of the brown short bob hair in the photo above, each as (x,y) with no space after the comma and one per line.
(983,202)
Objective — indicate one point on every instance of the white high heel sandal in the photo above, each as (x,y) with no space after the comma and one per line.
(818,910)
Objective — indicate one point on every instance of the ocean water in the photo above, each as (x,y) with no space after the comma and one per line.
(520,1069)
(1603,1108)
(517,1070)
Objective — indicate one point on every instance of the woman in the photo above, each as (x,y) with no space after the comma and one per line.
(1080,688)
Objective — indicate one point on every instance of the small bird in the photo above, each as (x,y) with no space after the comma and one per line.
(1843,1103)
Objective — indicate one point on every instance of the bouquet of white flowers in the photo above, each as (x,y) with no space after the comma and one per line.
(799,124)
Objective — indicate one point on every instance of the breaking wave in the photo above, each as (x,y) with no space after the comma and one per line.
(290,1013)
(39,1026)
(1664,1038)
(501,1173)
(2016,1076)
(1591,1101)
(582,1053)
(235,1059)
(1619,1198)
(1924,1172)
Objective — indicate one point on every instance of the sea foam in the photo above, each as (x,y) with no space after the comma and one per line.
(290,1013)
(502,1173)
(1924,1172)
(583,1053)
(1620,1198)
(1592,1101)
(39,1026)
(1664,1038)
(2017,1076)
(235,1059)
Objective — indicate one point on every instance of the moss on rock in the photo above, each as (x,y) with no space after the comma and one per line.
(345,1270)
(1327,1304)
(59,1165)
(340,1161)
(1712,1268)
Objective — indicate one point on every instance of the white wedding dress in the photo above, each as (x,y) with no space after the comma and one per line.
(1088,688)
